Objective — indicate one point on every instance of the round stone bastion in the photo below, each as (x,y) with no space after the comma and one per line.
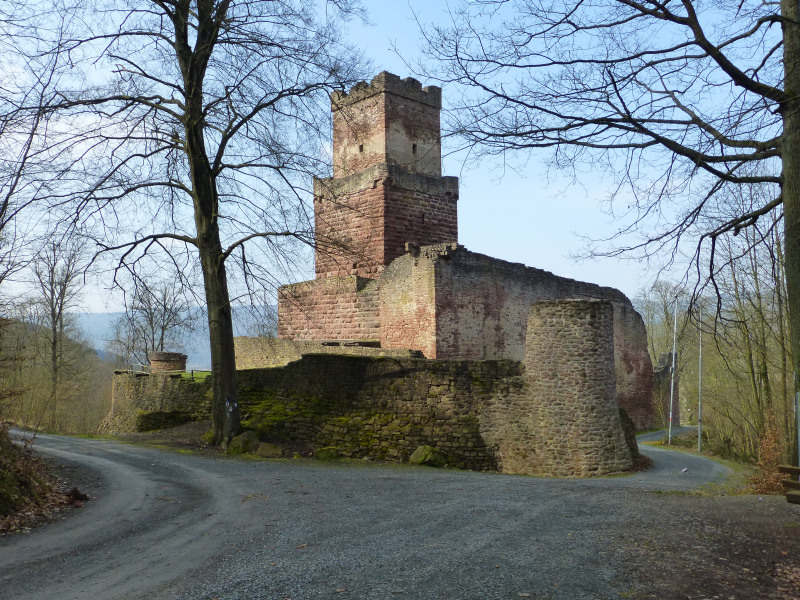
(167,361)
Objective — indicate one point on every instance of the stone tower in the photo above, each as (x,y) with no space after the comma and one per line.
(387,188)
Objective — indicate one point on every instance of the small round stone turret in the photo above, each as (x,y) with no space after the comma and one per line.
(167,361)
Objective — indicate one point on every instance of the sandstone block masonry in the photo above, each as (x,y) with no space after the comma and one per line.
(260,352)
(572,387)
(390,271)
(549,414)
(142,402)
(448,302)
(167,361)
(387,187)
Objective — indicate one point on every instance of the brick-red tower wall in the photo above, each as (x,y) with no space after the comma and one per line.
(390,120)
(349,217)
(338,308)
(418,216)
(360,232)
(387,187)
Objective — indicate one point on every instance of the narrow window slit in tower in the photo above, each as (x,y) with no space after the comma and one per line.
(413,148)
(361,147)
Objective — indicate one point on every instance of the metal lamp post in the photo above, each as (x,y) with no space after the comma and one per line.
(672,371)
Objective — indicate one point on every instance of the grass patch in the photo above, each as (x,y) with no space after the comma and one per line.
(195,375)
(208,437)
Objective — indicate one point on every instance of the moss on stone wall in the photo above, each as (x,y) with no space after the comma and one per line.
(481,415)
(144,402)
(378,408)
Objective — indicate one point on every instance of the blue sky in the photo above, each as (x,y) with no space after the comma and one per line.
(519,217)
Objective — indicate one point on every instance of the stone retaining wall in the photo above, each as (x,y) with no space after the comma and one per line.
(141,402)
(378,408)
(555,413)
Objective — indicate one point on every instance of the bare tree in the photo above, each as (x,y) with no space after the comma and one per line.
(157,317)
(27,397)
(58,278)
(25,81)
(682,100)
(194,130)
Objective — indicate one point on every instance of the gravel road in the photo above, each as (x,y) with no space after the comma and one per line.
(169,525)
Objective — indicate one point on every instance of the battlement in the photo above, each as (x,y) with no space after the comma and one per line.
(408,88)
(389,121)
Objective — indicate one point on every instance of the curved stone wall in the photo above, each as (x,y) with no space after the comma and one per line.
(167,361)
(569,369)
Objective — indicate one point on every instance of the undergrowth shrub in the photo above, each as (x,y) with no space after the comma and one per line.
(23,477)
(767,480)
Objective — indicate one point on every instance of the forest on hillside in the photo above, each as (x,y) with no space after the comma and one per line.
(740,325)
(61,387)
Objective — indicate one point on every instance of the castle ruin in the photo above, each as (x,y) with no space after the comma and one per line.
(406,338)
(390,271)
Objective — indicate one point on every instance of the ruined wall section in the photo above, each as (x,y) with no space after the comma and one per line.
(663,388)
(481,309)
(337,308)
(633,367)
(378,408)
(264,352)
(482,306)
(482,414)
(167,361)
(407,306)
(141,402)
(549,416)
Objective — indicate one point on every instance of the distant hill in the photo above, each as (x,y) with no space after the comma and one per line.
(246,321)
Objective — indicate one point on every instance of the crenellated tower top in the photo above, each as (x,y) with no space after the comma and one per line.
(387,121)
(388,82)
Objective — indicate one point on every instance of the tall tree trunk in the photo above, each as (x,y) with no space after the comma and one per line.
(787,404)
(220,326)
(790,153)
(193,63)
(220,317)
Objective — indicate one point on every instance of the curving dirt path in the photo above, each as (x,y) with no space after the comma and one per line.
(167,525)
